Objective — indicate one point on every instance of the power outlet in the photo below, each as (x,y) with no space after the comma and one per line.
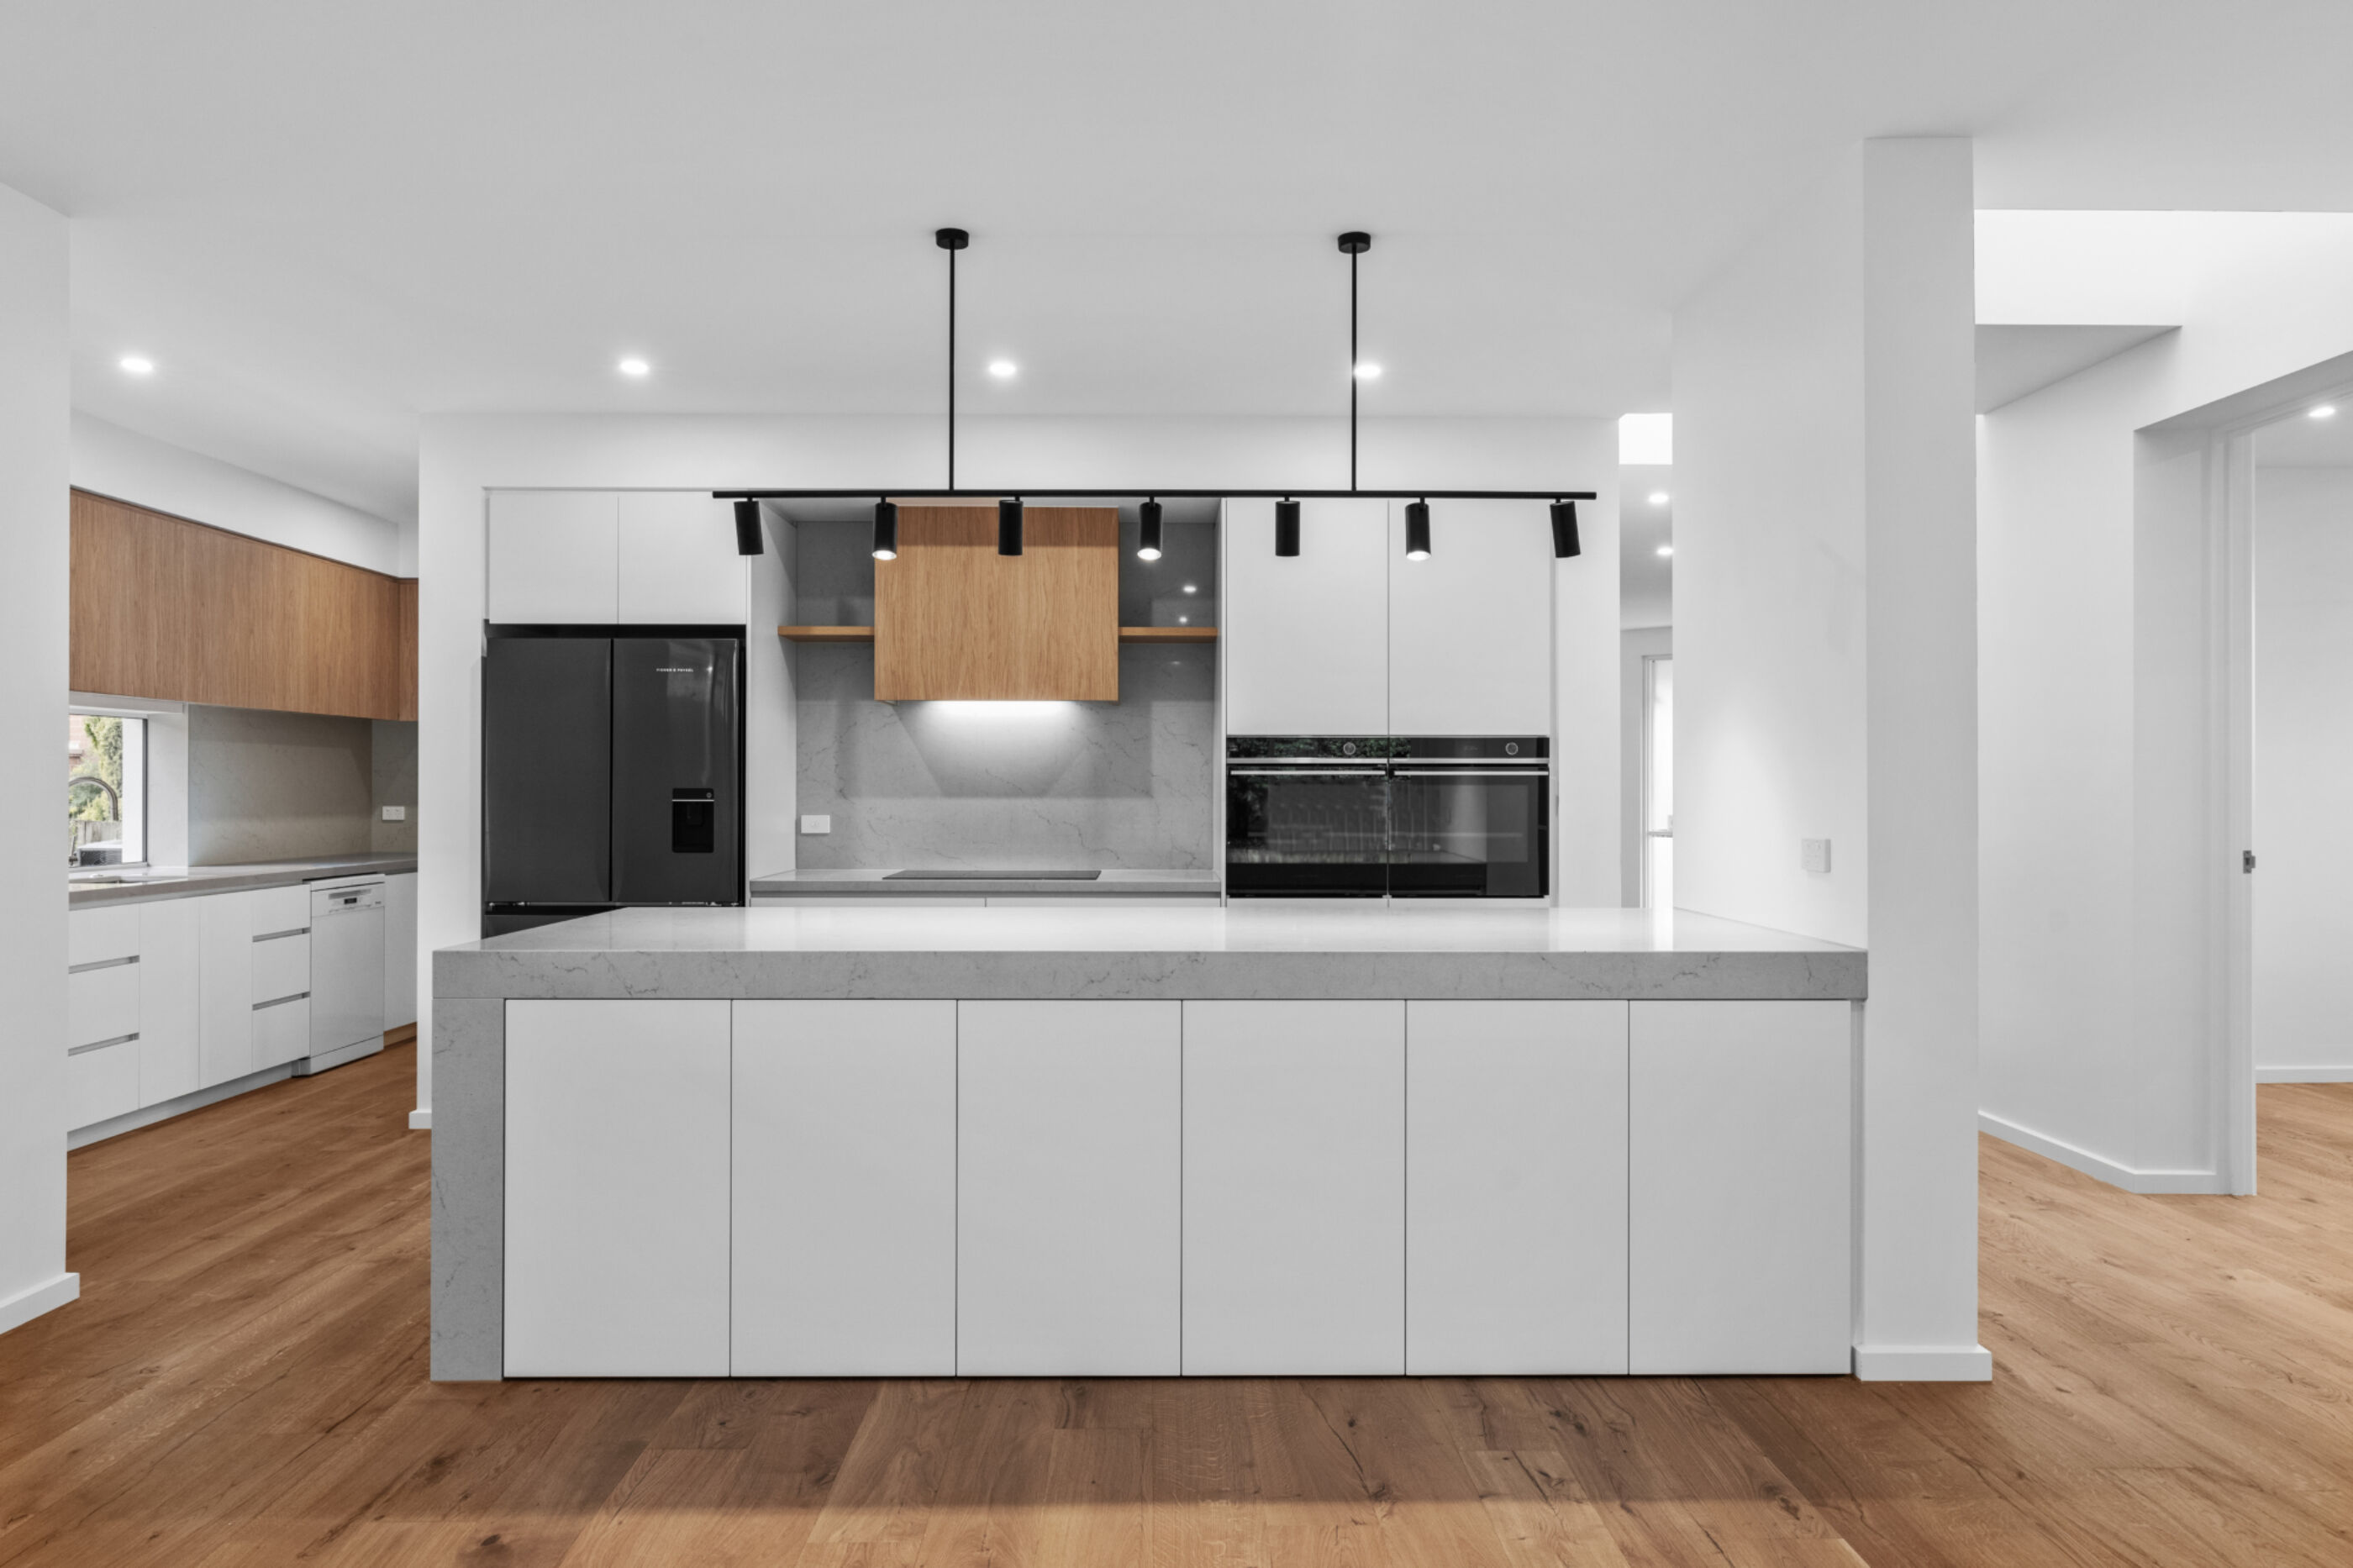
(817,825)
(1814,856)
(395,814)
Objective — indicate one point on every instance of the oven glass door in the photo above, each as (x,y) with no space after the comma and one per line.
(1468,832)
(1306,832)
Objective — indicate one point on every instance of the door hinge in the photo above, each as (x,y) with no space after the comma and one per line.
(2246,860)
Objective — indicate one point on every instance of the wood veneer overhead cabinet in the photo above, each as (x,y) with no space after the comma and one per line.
(955,620)
(164,607)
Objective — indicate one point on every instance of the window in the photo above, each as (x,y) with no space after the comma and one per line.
(106,790)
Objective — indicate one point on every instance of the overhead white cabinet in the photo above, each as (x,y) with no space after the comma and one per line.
(1470,628)
(170,1064)
(1515,1184)
(678,560)
(617,1189)
(555,557)
(844,1211)
(1740,1186)
(1295,1188)
(1057,1277)
(1304,647)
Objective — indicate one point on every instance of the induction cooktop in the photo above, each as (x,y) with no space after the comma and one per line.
(959,874)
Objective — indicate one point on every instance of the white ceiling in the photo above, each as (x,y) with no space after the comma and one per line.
(323,220)
(2013,361)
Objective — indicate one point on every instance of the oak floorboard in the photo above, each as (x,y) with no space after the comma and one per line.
(243,1383)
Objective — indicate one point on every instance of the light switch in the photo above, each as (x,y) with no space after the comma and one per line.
(1814,855)
(817,825)
(395,814)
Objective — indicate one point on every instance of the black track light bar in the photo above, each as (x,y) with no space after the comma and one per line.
(1096,493)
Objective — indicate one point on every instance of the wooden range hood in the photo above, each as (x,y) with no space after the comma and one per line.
(954,620)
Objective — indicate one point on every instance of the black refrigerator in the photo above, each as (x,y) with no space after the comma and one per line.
(612,771)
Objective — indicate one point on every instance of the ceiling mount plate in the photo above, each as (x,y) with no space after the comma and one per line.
(1355,242)
(951,238)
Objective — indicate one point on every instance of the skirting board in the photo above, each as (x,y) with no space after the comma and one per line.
(2131,1180)
(46,1296)
(1923,1364)
(2304,1075)
(164,1110)
(421,1119)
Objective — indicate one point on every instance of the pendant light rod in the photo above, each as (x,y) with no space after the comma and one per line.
(951,240)
(1353,244)
(1096,493)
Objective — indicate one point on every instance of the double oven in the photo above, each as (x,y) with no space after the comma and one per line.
(1399,816)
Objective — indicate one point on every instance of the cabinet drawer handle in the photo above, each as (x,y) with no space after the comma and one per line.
(274,935)
(280,1001)
(101,1045)
(100,964)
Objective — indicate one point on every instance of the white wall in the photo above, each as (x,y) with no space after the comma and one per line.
(462,455)
(35,392)
(109,460)
(1825,650)
(1633,647)
(2304,758)
(2101,614)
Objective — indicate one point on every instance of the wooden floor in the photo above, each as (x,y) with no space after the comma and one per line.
(243,1381)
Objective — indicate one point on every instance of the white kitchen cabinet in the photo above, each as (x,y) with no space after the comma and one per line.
(678,560)
(94,936)
(617,1132)
(1515,1185)
(554,557)
(399,950)
(1295,1188)
(223,986)
(282,1031)
(844,1212)
(170,1064)
(277,910)
(1470,628)
(1303,646)
(102,1002)
(281,966)
(101,1082)
(1740,1187)
(1057,1277)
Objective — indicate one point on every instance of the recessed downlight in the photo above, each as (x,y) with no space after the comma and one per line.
(137,364)
(1368,370)
(633,366)
(1003,369)
(2325,411)
(1659,498)
(1192,588)
(1666,550)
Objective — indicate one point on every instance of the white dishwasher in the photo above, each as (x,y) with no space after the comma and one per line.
(347,972)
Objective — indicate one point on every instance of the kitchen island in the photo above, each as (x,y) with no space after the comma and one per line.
(1104,1141)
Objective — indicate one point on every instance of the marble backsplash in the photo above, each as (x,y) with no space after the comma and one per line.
(275,786)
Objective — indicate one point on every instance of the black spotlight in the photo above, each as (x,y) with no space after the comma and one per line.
(1564,531)
(886,530)
(1417,531)
(747,528)
(1147,538)
(1286,527)
(1008,527)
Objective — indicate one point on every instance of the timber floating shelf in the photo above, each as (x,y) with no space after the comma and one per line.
(1126,634)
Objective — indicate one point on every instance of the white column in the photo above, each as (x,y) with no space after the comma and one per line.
(35,468)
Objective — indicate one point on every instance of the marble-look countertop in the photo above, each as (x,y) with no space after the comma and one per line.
(1112,884)
(1104,950)
(194,881)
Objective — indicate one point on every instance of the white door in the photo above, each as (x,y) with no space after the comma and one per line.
(1470,628)
(1304,646)
(678,560)
(223,986)
(1069,1189)
(617,1189)
(1515,1187)
(170,1063)
(1295,1188)
(1740,1187)
(845,1201)
(553,558)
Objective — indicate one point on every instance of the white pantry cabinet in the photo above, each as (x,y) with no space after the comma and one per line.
(1740,1187)
(617,1189)
(555,557)
(1470,628)
(1058,1276)
(844,1212)
(678,561)
(1295,1188)
(1304,645)
(1515,1185)
(170,1064)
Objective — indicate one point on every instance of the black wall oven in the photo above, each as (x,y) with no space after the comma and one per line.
(1402,817)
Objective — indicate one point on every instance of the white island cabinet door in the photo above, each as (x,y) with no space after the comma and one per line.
(553,558)
(1515,1187)
(1740,1201)
(1068,1189)
(169,1062)
(1295,1188)
(845,1189)
(678,565)
(1470,628)
(1305,644)
(617,1177)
